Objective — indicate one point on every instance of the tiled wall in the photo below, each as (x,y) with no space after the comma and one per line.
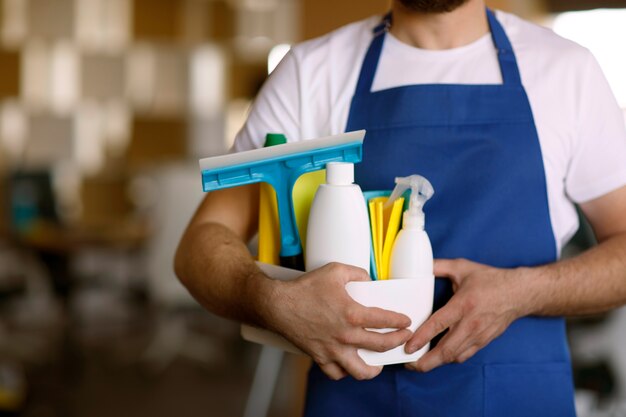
(106,87)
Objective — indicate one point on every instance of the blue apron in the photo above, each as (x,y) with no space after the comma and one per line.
(478,145)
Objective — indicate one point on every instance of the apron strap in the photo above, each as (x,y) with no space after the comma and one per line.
(384,24)
(506,56)
(370,63)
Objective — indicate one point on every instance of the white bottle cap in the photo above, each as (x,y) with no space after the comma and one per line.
(339,173)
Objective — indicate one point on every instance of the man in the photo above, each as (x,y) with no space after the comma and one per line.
(512,125)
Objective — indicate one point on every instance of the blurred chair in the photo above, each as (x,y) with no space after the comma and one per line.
(24,266)
(174,192)
(264,382)
(604,342)
(30,321)
(178,192)
(35,224)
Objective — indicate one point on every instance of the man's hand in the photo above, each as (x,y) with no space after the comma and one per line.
(316,314)
(485,302)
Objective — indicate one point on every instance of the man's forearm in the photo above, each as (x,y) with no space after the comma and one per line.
(218,270)
(487,299)
(592,282)
(313,311)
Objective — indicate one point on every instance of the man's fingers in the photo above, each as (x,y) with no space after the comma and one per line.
(446,350)
(453,268)
(459,345)
(355,366)
(468,353)
(442,319)
(333,371)
(380,342)
(444,267)
(424,364)
(377,318)
(347,273)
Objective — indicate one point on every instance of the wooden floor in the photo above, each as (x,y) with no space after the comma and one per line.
(108,376)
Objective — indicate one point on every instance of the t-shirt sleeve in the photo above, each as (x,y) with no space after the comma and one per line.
(276,108)
(598,163)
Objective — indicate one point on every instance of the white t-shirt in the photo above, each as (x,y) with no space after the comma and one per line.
(581,128)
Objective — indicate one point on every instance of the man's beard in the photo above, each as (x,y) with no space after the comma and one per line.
(432,6)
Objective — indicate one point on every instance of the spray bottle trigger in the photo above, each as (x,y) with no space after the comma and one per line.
(421,190)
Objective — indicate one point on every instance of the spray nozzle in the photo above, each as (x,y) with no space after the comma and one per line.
(421,191)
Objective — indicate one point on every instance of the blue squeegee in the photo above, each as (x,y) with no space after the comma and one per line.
(281,166)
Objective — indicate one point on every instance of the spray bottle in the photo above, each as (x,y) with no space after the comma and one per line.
(412,254)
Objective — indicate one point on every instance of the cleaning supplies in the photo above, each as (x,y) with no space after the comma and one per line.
(269,231)
(302,195)
(384,223)
(281,166)
(338,229)
(412,254)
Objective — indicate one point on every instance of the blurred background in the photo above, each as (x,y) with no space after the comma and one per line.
(105,108)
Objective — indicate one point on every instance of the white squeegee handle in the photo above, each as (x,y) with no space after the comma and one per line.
(291,148)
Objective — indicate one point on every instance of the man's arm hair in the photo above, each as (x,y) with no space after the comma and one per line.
(594,281)
(313,311)
(213,261)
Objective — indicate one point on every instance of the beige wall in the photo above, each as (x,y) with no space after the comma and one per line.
(322,16)
(528,9)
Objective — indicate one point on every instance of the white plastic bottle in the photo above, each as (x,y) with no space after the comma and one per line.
(412,254)
(338,229)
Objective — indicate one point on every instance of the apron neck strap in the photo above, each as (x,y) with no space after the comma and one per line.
(372,56)
(506,56)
